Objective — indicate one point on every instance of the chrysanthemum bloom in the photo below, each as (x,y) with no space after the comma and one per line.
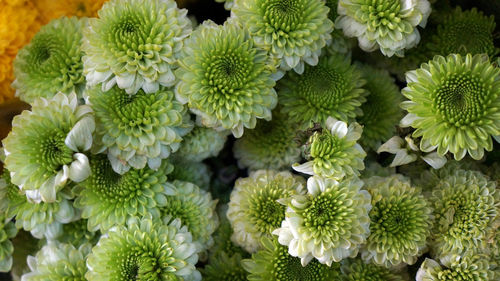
(292,31)
(225,79)
(107,198)
(201,143)
(454,105)
(390,26)
(198,173)
(7,231)
(58,261)
(53,9)
(331,88)
(329,223)
(51,62)
(271,145)
(273,262)
(44,148)
(333,152)
(137,129)
(254,210)
(224,267)
(465,206)
(400,222)
(194,208)
(358,270)
(381,112)
(76,233)
(134,44)
(463,32)
(144,250)
(456,268)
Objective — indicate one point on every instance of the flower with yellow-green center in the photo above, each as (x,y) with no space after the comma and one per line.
(225,79)
(454,105)
(401,219)
(333,152)
(144,250)
(77,233)
(198,173)
(7,231)
(256,206)
(44,149)
(388,25)
(328,223)
(201,143)
(134,44)
(456,268)
(292,31)
(358,270)
(224,267)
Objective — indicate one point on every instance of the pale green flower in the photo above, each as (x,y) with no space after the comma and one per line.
(76,233)
(7,231)
(456,268)
(201,143)
(198,173)
(358,270)
(224,267)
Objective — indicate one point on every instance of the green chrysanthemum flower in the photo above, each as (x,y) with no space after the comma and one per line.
(201,143)
(58,262)
(390,26)
(198,173)
(195,209)
(254,210)
(400,222)
(51,62)
(334,152)
(138,129)
(24,246)
(292,31)
(225,79)
(43,150)
(146,251)
(357,270)
(454,103)
(107,198)
(274,262)
(381,113)
(271,145)
(456,268)
(329,223)
(465,206)
(135,44)
(76,233)
(224,267)
(7,231)
(464,32)
(331,88)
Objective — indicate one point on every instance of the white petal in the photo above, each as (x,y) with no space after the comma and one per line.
(393,145)
(80,168)
(408,120)
(306,168)
(435,160)
(403,158)
(80,136)
(339,129)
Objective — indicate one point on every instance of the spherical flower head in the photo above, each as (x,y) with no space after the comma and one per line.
(44,149)
(381,113)
(144,250)
(53,9)
(329,223)
(201,143)
(197,173)
(194,208)
(7,231)
(255,207)
(51,62)
(400,222)
(358,270)
(58,261)
(464,32)
(331,88)
(454,105)
(107,198)
(292,31)
(271,145)
(225,79)
(273,262)
(465,206)
(334,152)
(134,44)
(224,267)
(138,129)
(456,268)
(390,26)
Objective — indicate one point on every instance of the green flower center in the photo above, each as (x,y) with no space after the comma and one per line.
(188,212)
(282,15)
(228,71)
(288,268)
(264,211)
(139,263)
(52,152)
(454,275)
(326,146)
(322,88)
(369,272)
(380,13)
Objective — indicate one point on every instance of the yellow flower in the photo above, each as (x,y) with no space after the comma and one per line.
(52,9)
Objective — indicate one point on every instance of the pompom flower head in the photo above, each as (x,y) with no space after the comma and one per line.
(144,250)
(454,105)
(197,173)
(51,62)
(331,88)
(456,267)
(390,26)
(358,270)
(334,152)
(134,44)
(7,231)
(400,222)
(137,129)
(292,31)
(273,262)
(201,143)
(329,223)
(44,148)
(254,210)
(225,78)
